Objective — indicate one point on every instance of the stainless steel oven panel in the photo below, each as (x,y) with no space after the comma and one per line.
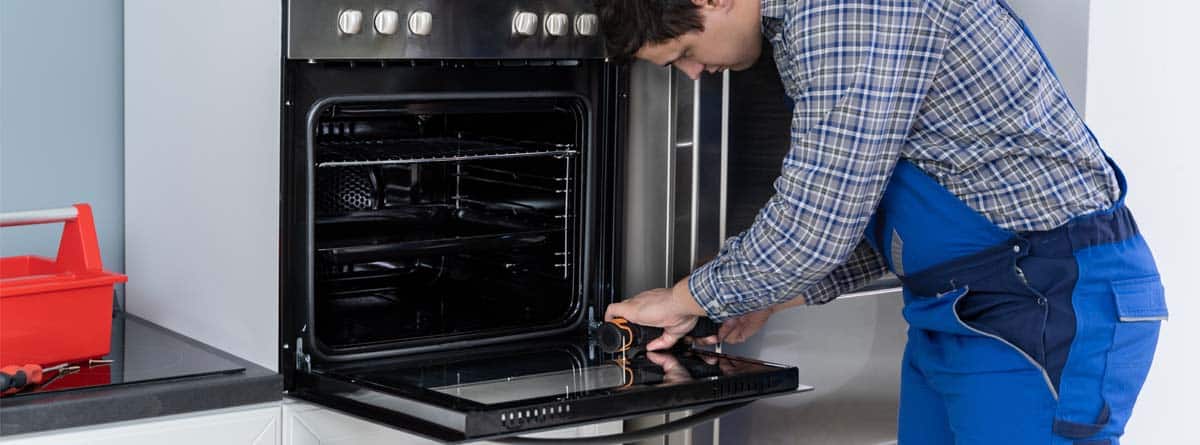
(647,198)
(675,175)
(457,29)
(675,183)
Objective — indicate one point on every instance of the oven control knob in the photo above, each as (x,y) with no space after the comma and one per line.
(585,24)
(557,24)
(525,24)
(420,23)
(387,22)
(350,21)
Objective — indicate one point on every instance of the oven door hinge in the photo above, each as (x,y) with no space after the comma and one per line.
(303,360)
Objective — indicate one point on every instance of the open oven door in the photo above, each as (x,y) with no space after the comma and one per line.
(502,392)
(672,218)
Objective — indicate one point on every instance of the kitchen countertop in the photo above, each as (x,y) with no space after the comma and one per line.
(154,372)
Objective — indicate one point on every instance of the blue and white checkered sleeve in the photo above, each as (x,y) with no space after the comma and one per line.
(864,266)
(861,72)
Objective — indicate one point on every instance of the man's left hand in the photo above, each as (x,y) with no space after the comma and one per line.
(674,310)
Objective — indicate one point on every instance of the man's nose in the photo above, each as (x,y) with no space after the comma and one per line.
(690,69)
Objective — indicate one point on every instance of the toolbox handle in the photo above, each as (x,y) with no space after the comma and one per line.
(31,217)
(79,249)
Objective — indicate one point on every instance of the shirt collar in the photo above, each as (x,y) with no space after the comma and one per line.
(775,9)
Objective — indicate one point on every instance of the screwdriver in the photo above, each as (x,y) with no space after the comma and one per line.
(14,378)
(619,335)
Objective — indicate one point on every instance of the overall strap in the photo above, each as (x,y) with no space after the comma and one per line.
(1042,52)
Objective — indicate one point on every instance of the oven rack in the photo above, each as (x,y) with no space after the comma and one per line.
(431,150)
(354,252)
(495,269)
(490,216)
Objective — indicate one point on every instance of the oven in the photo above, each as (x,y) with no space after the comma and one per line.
(466,185)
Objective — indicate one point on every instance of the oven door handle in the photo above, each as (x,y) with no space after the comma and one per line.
(632,436)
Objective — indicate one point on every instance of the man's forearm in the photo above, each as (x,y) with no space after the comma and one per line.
(685,300)
(797,301)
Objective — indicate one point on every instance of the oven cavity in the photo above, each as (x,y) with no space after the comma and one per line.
(446,220)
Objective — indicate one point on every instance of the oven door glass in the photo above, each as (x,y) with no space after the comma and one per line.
(500,391)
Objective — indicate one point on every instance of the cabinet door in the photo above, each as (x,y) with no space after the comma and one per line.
(307,424)
(255,425)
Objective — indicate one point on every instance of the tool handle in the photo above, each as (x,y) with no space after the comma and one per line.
(31,217)
(78,249)
(13,378)
(620,335)
(705,327)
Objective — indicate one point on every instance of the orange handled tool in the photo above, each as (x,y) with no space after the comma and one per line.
(619,335)
(15,378)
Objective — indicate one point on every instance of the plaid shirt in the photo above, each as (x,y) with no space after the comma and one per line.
(954,86)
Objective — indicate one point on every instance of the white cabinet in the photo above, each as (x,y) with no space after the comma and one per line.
(307,424)
(297,423)
(251,425)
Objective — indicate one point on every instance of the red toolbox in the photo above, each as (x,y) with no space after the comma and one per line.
(59,310)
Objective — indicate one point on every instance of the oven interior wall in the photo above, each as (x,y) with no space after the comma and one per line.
(536,104)
(446,219)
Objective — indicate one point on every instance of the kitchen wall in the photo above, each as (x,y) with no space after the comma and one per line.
(202,85)
(61,119)
(202,112)
(1142,96)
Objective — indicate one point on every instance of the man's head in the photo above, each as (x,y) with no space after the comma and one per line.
(692,35)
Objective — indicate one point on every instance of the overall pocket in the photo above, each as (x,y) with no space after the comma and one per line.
(1140,308)
(1133,310)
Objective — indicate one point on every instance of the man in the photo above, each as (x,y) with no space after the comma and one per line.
(931,138)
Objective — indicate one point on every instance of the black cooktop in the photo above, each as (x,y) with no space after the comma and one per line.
(141,352)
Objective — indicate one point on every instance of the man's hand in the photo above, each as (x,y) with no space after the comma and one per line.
(674,310)
(737,330)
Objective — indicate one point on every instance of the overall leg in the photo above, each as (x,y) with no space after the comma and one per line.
(923,417)
(992,394)
(1119,305)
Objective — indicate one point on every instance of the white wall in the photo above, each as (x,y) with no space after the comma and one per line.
(202,170)
(1142,103)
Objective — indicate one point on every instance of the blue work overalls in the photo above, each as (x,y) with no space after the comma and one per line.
(1016,338)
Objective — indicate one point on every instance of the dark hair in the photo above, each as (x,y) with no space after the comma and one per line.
(627,25)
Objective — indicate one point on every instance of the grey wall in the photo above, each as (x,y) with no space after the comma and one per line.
(61,114)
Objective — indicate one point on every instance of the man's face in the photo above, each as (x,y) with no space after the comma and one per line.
(731,39)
